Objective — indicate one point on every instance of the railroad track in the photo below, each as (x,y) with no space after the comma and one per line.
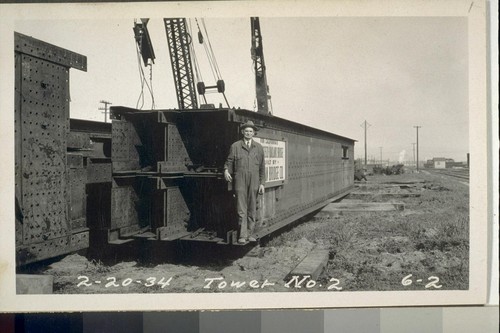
(457,173)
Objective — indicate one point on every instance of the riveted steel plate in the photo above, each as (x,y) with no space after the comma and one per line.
(98,172)
(74,160)
(78,140)
(78,197)
(122,207)
(177,211)
(130,203)
(43,225)
(42,130)
(125,141)
(51,248)
(49,52)
(176,154)
(175,147)
(79,224)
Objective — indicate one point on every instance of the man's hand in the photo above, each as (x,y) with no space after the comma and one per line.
(227,176)
(261,189)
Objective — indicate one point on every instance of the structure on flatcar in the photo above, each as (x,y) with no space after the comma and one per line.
(168,164)
(154,174)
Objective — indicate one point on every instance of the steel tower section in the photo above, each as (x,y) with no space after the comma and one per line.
(179,41)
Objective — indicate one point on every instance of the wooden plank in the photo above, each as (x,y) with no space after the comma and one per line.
(383,185)
(312,265)
(352,201)
(405,182)
(388,194)
(337,207)
(34,284)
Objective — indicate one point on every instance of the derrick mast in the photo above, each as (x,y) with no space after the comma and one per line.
(179,42)
(262,90)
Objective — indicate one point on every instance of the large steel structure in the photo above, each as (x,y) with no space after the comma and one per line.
(179,42)
(167,172)
(155,175)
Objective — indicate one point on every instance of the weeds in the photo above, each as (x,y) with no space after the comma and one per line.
(374,251)
(96,266)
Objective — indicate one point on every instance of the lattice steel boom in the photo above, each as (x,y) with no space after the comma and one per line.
(260,68)
(178,40)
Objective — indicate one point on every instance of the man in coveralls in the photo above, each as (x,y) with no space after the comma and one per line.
(245,163)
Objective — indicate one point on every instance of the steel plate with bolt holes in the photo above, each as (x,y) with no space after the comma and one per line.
(43,227)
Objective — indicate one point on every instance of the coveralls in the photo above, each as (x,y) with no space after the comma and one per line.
(247,166)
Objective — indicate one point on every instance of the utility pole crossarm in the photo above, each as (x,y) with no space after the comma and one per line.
(105,109)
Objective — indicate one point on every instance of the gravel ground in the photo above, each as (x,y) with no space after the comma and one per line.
(422,247)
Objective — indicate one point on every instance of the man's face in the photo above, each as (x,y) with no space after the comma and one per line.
(248,133)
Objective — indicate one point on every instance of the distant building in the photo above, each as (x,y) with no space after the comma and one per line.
(440,162)
(443,163)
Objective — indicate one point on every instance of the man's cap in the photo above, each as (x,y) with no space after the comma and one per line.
(249,123)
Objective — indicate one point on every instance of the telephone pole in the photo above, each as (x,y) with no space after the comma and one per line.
(417,127)
(365,124)
(380,156)
(413,144)
(105,108)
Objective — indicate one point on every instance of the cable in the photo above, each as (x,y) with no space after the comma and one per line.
(212,60)
(225,98)
(219,76)
(143,80)
(153,106)
(141,95)
(197,73)
(146,83)
(207,52)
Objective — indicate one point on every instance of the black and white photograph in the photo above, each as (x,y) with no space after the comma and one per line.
(210,156)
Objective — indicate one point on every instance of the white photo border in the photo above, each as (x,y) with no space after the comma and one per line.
(476,15)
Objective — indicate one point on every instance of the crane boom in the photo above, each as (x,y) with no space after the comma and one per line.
(179,41)
(261,87)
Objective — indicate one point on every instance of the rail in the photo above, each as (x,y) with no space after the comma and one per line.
(457,173)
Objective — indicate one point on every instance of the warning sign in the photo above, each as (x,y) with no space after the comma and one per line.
(275,159)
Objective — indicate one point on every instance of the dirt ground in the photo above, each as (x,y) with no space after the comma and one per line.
(424,246)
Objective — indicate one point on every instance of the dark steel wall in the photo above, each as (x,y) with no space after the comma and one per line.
(50,200)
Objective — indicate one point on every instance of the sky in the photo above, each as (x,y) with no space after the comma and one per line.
(332,73)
